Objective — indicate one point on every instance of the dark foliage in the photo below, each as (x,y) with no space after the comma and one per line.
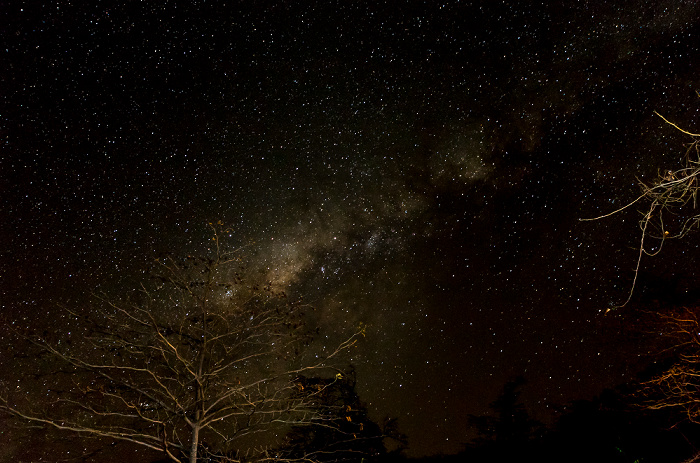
(343,430)
(510,430)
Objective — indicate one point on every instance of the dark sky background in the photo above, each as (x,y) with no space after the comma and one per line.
(420,167)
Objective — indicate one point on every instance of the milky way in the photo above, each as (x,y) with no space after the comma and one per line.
(419,169)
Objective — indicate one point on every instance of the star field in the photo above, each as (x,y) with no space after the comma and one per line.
(416,167)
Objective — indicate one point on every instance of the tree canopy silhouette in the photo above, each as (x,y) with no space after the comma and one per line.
(343,429)
(510,423)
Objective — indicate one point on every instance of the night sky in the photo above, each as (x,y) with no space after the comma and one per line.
(419,167)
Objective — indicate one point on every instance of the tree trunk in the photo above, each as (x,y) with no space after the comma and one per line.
(195,443)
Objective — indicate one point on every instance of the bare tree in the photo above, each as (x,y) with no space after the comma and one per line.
(677,386)
(196,361)
(668,198)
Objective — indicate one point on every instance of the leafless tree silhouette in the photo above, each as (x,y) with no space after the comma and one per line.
(678,386)
(196,361)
